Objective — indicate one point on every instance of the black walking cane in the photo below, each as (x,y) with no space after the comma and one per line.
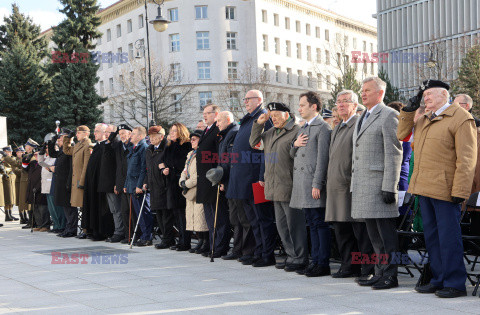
(32,221)
(215,223)
(138,219)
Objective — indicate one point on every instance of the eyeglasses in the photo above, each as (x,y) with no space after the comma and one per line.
(246,99)
(209,113)
(343,102)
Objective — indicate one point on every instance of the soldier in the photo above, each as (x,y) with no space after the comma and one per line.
(17,170)
(9,186)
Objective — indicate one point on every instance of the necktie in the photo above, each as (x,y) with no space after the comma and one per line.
(305,126)
(433,116)
(363,120)
(342,125)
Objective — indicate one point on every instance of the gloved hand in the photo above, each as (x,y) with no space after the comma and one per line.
(185,190)
(26,158)
(182,184)
(71,134)
(457,200)
(112,136)
(80,186)
(414,102)
(42,149)
(54,139)
(388,197)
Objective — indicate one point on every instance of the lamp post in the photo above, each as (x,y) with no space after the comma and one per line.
(139,45)
(160,24)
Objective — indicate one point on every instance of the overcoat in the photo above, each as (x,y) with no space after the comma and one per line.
(80,153)
(207,146)
(154,178)
(62,176)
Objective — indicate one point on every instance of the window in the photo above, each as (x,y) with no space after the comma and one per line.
(102,89)
(176,97)
(99,41)
(266,68)
(230,13)
(276,20)
(354,43)
(129,26)
(300,77)
(338,60)
(110,84)
(264,16)
(309,80)
(121,110)
(288,48)
(109,35)
(317,32)
(140,21)
(205,99)
(203,70)
(232,70)
(299,51)
(119,30)
(277,73)
(289,76)
(121,83)
(132,108)
(130,51)
(287,23)
(327,57)
(327,35)
(364,46)
(371,47)
(110,63)
(337,38)
(141,52)
(319,55)
(277,46)
(203,41)
(231,40)
(291,100)
(173,14)
(319,81)
(174,42)
(345,41)
(298,27)
(265,43)
(176,73)
(372,69)
(329,82)
(234,101)
(309,53)
(307,29)
(201,12)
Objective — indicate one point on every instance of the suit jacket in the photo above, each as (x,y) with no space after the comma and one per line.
(377,158)
(80,153)
(310,165)
(206,146)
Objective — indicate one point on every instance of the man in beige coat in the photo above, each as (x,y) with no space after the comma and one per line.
(445,156)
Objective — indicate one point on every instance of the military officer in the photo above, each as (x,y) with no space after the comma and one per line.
(9,186)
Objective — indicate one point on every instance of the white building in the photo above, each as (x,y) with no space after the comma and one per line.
(215,50)
(418,31)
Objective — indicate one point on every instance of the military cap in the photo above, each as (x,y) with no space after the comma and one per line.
(124,127)
(8,148)
(83,128)
(31,143)
(277,106)
(65,132)
(326,113)
(156,130)
(20,148)
(428,84)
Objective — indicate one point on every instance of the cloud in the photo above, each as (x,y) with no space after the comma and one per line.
(46,19)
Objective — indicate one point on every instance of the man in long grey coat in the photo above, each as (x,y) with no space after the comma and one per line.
(377,158)
(351,235)
(277,143)
(310,153)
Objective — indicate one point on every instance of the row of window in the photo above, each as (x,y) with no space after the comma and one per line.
(203,41)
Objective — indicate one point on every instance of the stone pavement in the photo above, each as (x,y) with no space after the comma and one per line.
(149,281)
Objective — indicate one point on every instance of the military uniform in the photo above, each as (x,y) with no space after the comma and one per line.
(9,191)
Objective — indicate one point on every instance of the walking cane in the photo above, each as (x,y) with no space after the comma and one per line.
(215,224)
(130,219)
(138,219)
(32,221)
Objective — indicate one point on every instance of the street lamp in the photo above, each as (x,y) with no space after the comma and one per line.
(139,46)
(160,24)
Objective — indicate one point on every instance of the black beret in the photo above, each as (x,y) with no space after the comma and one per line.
(276,106)
(65,132)
(428,84)
(196,133)
(124,127)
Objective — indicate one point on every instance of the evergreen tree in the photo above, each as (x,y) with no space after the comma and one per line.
(468,81)
(24,92)
(391,94)
(75,100)
(347,81)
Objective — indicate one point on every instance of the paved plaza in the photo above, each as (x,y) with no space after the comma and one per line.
(117,280)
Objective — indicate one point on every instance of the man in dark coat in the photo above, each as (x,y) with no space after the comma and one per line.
(107,183)
(206,193)
(96,217)
(156,184)
(136,172)
(242,175)
(62,176)
(35,196)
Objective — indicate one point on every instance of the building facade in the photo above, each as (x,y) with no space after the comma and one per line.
(425,38)
(216,50)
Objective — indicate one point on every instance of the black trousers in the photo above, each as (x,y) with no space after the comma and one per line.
(41,216)
(128,219)
(383,235)
(165,220)
(353,237)
(185,237)
(243,240)
(71,216)
(262,220)
(222,233)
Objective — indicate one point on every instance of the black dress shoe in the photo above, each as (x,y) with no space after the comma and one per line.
(28,226)
(250,261)
(197,247)
(183,248)
(114,239)
(369,281)
(387,282)
(124,241)
(428,288)
(231,256)
(66,235)
(304,270)
(61,234)
(264,263)
(318,271)
(294,267)
(141,243)
(173,247)
(344,274)
(82,236)
(244,257)
(163,245)
(450,293)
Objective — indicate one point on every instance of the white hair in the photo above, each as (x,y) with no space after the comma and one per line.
(102,125)
(228,115)
(353,95)
(381,85)
(467,99)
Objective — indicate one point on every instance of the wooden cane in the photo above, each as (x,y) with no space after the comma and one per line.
(215,224)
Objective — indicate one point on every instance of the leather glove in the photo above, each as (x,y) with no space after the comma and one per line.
(80,186)
(54,139)
(112,136)
(414,102)
(43,149)
(71,134)
(185,190)
(182,184)
(457,200)
(388,197)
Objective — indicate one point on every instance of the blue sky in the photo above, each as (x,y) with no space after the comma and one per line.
(45,12)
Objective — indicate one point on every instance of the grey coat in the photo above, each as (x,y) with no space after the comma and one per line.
(310,165)
(339,176)
(377,158)
(278,162)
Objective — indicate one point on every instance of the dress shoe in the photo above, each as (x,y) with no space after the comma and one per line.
(163,245)
(28,226)
(318,271)
(386,282)
(90,236)
(304,270)
(206,254)
(61,234)
(204,249)
(450,293)
(231,256)
(183,248)
(369,281)
(53,231)
(124,241)
(82,236)
(363,278)
(428,288)
(66,235)
(173,247)
(44,229)
(294,267)
(37,229)
(142,243)
(244,257)
(250,261)
(264,263)
(344,274)
(197,247)
(281,264)
(114,239)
